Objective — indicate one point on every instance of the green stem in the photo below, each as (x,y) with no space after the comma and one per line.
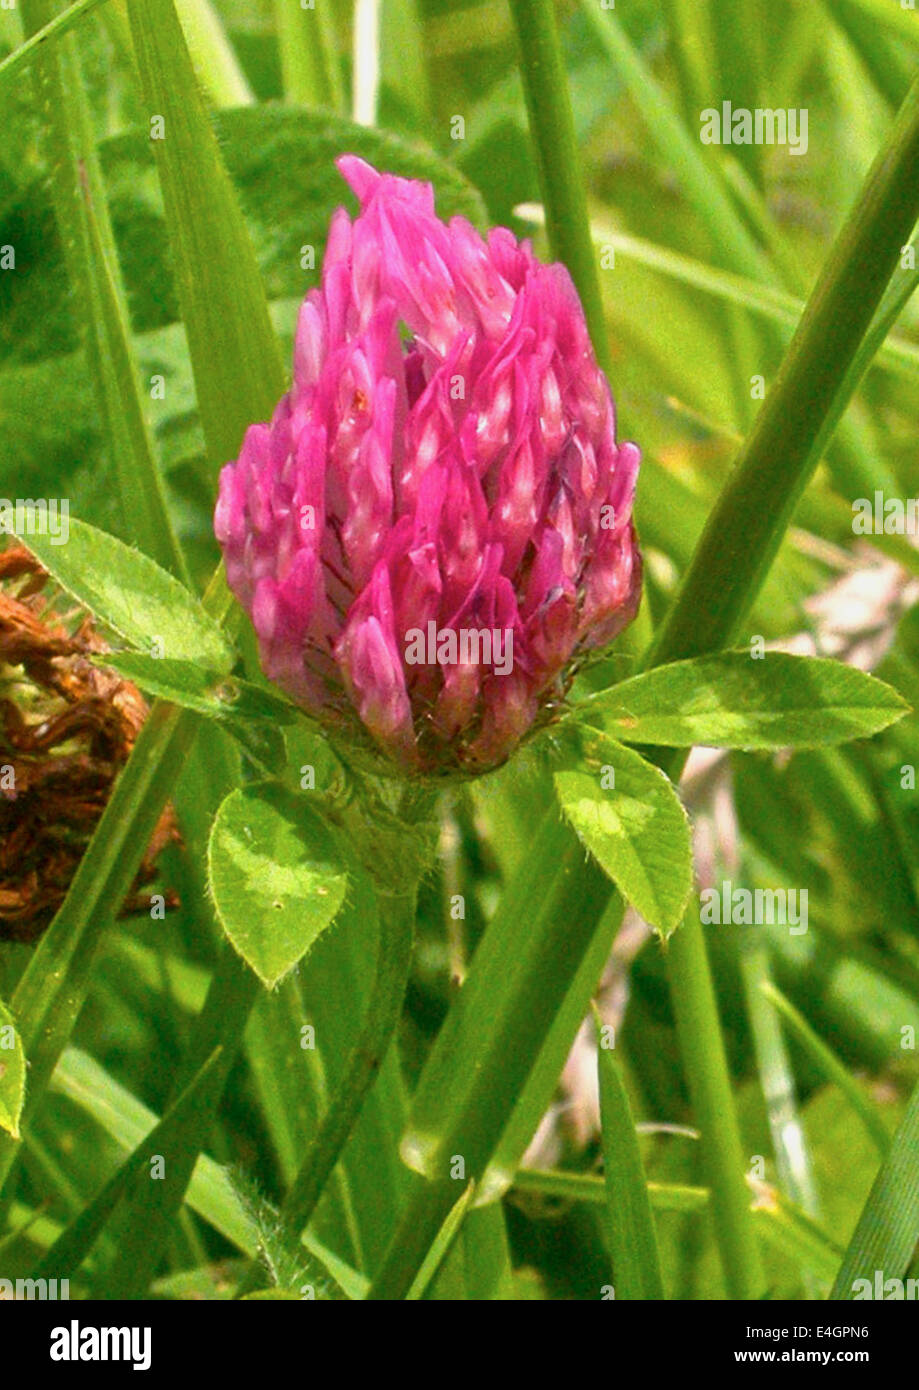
(552,124)
(706,1067)
(394,958)
(543,927)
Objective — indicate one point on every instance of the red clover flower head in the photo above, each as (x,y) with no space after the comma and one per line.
(438,518)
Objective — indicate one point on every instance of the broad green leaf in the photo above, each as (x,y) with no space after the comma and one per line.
(736,701)
(130,594)
(630,818)
(633,1242)
(209,692)
(888,1228)
(249,712)
(277,877)
(12,1073)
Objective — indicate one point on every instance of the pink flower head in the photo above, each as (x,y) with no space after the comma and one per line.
(438,518)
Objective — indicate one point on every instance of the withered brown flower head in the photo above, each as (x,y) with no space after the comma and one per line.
(66,729)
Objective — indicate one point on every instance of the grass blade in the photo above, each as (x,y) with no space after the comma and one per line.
(633,1240)
(68,1252)
(212,54)
(835,1071)
(237,365)
(441,1246)
(888,1229)
(54,28)
(789,1142)
(82,215)
(210,1193)
(309,62)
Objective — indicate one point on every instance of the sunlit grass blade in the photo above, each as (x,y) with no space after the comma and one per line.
(815,383)
(536,1096)
(212,53)
(309,61)
(692,43)
(235,356)
(441,1245)
(789,1142)
(899,20)
(884,60)
(365,64)
(487,1265)
(888,1229)
(53,29)
(738,33)
(552,122)
(404,52)
(782,1225)
(83,220)
(585,1187)
(825,1059)
(633,1240)
(679,149)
